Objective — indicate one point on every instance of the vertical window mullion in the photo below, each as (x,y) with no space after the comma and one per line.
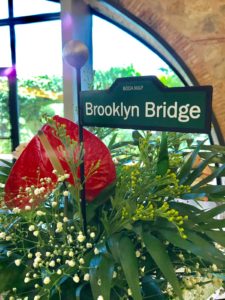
(76,20)
(13,96)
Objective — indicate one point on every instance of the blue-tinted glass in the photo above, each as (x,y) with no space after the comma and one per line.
(5,50)
(34,7)
(4,9)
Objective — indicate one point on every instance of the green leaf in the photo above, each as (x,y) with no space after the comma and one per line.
(6,162)
(151,290)
(207,247)
(163,159)
(188,245)
(136,136)
(213,189)
(216,236)
(83,292)
(112,140)
(101,269)
(10,275)
(198,171)
(159,254)
(209,178)
(123,251)
(99,200)
(214,224)
(205,216)
(186,168)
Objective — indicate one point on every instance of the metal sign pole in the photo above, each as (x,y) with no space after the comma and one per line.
(76,54)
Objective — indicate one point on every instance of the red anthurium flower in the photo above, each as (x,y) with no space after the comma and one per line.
(32,176)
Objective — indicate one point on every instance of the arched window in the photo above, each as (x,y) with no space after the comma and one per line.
(31,41)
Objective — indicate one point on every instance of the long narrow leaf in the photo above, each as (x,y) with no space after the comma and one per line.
(197,172)
(158,253)
(186,168)
(189,246)
(129,264)
(205,216)
(123,251)
(209,178)
(216,236)
(206,246)
(163,159)
(101,272)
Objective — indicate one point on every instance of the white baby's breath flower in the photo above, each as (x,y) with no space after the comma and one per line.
(65,219)
(26,279)
(114,274)
(37,297)
(96,251)
(80,237)
(16,210)
(138,253)
(81,261)
(65,193)
(38,254)
(29,255)
(36,191)
(2,235)
(47,254)
(11,298)
(59,226)
(18,262)
(88,245)
(129,292)
(86,277)
(52,263)
(31,228)
(100,297)
(9,253)
(71,254)
(76,278)
(40,213)
(27,207)
(92,235)
(2,185)
(59,272)
(69,238)
(47,280)
(36,285)
(71,263)
(54,204)
(36,233)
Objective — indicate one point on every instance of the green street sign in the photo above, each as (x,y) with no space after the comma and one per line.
(145,103)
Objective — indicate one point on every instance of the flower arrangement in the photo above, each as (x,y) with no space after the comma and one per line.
(141,241)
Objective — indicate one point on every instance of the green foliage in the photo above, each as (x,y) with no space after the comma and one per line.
(141,242)
(104,79)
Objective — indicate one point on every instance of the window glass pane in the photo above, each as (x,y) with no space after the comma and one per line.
(5,50)
(4,9)
(5,141)
(113,47)
(39,69)
(34,7)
